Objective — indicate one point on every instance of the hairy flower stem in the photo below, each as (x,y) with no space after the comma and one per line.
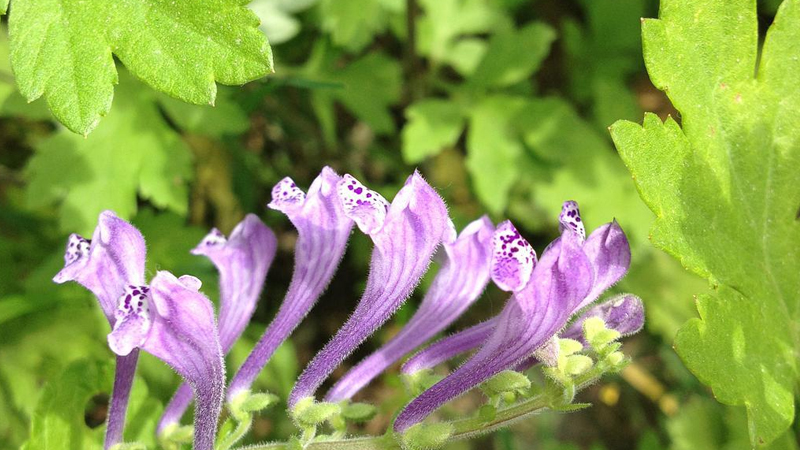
(117,409)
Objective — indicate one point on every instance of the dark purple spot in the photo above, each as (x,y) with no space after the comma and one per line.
(577,219)
(359,190)
(369,195)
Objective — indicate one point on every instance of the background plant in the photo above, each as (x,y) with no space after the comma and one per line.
(503,103)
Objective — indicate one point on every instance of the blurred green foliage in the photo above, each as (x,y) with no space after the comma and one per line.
(502,104)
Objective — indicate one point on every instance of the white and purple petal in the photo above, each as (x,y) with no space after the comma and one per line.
(513,258)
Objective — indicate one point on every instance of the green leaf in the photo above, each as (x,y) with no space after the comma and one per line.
(359,412)
(432,125)
(447,20)
(352,24)
(427,436)
(367,87)
(723,188)
(134,153)
(308,412)
(224,117)
(62,50)
(58,421)
(493,149)
(513,55)
(505,381)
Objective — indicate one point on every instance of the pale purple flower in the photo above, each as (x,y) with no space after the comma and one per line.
(112,260)
(405,235)
(463,276)
(569,276)
(173,321)
(323,229)
(242,261)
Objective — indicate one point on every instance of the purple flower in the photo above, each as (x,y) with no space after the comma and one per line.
(323,229)
(112,260)
(405,235)
(462,278)
(570,275)
(242,262)
(173,321)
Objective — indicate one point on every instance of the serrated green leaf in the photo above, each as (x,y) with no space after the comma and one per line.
(513,55)
(62,50)
(723,188)
(493,149)
(134,153)
(58,421)
(432,125)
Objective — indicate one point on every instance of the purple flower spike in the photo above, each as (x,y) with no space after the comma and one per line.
(560,281)
(405,236)
(323,229)
(610,254)
(242,262)
(113,259)
(175,322)
(513,259)
(462,278)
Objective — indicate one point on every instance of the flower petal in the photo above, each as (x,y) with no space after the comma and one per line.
(113,259)
(415,224)
(513,259)
(450,347)
(610,254)
(323,229)
(242,262)
(463,276)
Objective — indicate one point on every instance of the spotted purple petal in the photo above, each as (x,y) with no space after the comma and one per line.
(366,207)
(132,320)
(242,262)
(414,225)
(183,334)
(571,218)
(560,280)
(513,258)
(113,259)
(463,276)
(323,229)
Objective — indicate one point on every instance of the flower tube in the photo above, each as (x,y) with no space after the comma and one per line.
(242,262)
(405,235)
(112,260)
(323,229)
(569,276)
(462,278)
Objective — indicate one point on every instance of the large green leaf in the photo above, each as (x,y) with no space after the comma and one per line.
(134,153)
(723,186)
(432,125)
(62,50)
(58,421)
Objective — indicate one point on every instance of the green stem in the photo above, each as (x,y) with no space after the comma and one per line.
(463,428)
(242,427)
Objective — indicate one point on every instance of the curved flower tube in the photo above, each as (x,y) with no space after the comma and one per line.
(623,313)
(323,229)
(449,347)
(173,321)
(405,234)
(569,276)
(113,259)
(462,278)
(242,262)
